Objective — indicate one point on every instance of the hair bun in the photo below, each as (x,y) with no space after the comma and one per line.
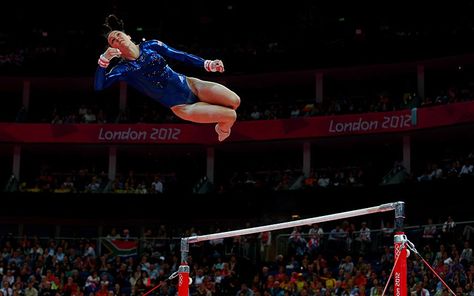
(112,22)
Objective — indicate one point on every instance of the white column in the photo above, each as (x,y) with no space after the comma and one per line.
(100,234)
(420,81)
(210,164)
(319,87)
(112,162)
(407,153)
(123,95)
(306,158)
(16,161)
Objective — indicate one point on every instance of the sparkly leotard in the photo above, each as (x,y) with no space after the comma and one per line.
(150,74)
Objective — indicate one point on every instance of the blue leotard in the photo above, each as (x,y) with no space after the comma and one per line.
(150,74)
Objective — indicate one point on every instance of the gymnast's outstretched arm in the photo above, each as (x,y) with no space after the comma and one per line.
(172,53)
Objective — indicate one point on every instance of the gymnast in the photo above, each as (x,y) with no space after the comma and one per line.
(144,67)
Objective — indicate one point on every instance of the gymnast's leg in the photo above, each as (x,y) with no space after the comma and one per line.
(214,93)
(202,112)
(217,104)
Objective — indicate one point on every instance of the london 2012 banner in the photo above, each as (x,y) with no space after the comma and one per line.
(260,130)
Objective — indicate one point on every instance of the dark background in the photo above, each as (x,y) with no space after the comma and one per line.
(250,36)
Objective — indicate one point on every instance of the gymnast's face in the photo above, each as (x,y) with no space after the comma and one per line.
(118,39)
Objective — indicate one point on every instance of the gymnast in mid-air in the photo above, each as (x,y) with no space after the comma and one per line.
(144,67)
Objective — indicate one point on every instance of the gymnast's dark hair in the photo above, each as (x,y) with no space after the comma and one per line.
(112,23)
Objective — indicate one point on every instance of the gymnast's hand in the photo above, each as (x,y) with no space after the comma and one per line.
(214,66)
(109,54)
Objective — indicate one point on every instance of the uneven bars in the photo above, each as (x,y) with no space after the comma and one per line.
(377,209)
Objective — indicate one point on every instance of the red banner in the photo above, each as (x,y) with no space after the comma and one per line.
(307,127)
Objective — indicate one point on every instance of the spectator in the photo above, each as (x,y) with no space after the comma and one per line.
(449,227)
(429,232)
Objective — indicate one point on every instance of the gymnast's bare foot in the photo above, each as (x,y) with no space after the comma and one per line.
(221,133)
